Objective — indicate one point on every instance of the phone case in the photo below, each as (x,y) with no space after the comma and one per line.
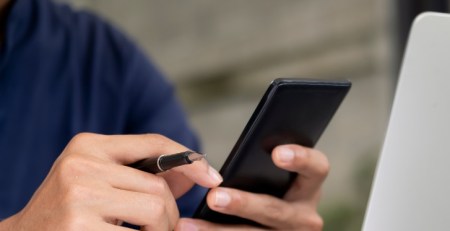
(292,111)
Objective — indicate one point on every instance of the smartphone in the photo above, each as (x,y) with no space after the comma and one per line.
(292,111)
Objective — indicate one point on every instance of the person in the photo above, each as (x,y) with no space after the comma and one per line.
(70,86)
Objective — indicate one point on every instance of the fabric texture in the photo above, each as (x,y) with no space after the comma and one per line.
(63,72)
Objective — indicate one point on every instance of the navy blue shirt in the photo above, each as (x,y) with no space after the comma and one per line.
(63,72)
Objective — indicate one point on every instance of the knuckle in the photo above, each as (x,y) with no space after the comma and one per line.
(81,138)
(317,163)
(80,141)
(68,167)
(239,202)
(158,209)
(71,166)
(324,168)
(276,212)
(157,138)
(314,222)
(75,223)
(159,185)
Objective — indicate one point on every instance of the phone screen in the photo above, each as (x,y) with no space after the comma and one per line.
(292,111)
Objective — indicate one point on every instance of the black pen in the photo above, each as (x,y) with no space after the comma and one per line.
(167,161)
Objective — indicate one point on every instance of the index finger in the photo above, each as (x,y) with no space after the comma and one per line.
(126,149)
(311,165)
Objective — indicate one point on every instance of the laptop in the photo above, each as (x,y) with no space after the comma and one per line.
(411,189)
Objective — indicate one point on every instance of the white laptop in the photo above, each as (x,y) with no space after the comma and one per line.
(411,190)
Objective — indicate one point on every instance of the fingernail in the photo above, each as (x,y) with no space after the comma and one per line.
(221,198)
(188,226)
(285,154)
(214,175)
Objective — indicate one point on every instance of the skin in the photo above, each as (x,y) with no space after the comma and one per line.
(296,211)
(89,188)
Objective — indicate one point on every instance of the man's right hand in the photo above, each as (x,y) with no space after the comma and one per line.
(89,188)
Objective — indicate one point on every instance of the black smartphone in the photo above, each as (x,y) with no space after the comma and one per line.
(292,111)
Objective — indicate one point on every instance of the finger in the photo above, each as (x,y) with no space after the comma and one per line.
(130,179)
(158,211)
(264,209)
(87,168)
(181,179)
(200,225)
(112,227)
(126,178)
(124,149)
(311,165)
(155,212)
(74,221)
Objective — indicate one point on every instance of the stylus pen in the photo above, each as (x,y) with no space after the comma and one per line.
(166,162)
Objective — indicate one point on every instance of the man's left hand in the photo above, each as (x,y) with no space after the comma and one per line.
(297,210)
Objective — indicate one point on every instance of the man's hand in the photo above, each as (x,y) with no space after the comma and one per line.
(296,211)
(89,188)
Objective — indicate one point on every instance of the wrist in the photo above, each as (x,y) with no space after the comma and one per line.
(7,224)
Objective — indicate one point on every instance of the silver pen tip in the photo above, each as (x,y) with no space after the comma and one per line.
(194,156)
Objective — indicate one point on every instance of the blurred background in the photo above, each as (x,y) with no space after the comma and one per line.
(221,56)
